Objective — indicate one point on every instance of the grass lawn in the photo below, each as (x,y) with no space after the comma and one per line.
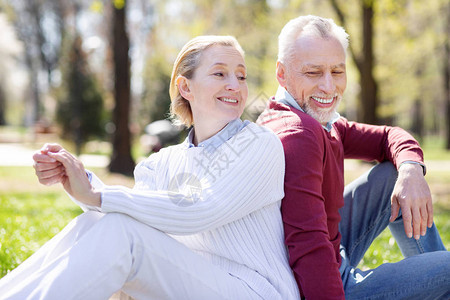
(27,221)
(31,214)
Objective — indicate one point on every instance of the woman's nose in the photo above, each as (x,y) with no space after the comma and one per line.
(233,83)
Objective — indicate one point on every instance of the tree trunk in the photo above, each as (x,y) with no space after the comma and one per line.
(2,105)
(121,160)
(369,100)
(447,75)
(364,62)
(417,120)
(35,99)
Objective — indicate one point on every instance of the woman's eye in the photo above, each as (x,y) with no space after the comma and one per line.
(220,74)
(242,77)
(312,73)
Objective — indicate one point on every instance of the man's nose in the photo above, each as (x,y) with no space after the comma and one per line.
(327,84)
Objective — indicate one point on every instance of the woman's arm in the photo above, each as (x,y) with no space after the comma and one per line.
(252,180)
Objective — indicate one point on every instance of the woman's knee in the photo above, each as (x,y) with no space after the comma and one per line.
(115,218)
(91,216)
(133,229)
(125,224)
(85,221)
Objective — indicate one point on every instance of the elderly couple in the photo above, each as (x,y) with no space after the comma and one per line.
(203,220)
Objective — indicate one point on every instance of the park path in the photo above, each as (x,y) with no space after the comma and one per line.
(17,154)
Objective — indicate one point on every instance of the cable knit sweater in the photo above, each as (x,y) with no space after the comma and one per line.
(220,199)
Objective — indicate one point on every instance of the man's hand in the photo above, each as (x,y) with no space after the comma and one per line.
(412,195)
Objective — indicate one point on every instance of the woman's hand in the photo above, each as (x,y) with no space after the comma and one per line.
(48,170)
(54,164)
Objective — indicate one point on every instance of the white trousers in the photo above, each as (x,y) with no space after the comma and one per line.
(97,254)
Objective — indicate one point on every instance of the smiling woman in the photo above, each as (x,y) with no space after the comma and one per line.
(203,219)
(217,90)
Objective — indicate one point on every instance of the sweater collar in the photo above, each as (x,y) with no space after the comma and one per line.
(219,138)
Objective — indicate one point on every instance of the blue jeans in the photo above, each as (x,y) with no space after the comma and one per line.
(423,274)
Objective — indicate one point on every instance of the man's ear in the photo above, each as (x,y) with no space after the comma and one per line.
(281,74)
(183,87)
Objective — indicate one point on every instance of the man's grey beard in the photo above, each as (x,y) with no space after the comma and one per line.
(323,116)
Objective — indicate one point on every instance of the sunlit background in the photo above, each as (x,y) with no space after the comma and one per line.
(46,44)
(63,70)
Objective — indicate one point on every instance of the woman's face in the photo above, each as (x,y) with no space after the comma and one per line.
(218,90)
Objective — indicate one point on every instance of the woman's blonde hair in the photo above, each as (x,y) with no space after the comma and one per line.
(185,65)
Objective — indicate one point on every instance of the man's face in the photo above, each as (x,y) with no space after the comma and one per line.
(315,76)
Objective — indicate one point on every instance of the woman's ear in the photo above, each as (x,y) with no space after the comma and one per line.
(183,87)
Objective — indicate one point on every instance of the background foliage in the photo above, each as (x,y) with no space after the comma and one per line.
(411,42)
(80,111)
(409,57)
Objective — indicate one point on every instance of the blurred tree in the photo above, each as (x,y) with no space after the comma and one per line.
(155,97)
(121,159)
(40,26)
(2,105)
(364,61)
(80,111)
(156,67)
(409,59)
(250,21)
(446,71)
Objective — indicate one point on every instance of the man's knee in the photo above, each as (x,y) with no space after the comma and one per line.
(386,169)
(384,173)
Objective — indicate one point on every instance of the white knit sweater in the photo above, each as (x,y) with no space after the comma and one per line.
(221,199)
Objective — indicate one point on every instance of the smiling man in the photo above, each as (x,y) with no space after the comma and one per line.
(329,227)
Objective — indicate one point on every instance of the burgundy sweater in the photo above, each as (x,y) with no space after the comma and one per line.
(314,185)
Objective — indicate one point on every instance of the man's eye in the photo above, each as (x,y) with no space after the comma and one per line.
(312,73)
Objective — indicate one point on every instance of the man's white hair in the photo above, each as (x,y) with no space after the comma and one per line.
(308,25)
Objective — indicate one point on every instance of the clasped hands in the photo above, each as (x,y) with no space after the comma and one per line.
(53,164)
(412,195)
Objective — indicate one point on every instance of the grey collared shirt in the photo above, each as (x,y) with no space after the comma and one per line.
(219,138)
(284,97)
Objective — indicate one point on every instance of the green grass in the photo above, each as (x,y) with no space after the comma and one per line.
(27,221)
(32,214)
(434,148)
(384,249)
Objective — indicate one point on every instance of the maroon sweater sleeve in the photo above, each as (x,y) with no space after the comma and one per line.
(380,143)
(312,256)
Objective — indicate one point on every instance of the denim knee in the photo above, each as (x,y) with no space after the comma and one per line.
(384,171)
